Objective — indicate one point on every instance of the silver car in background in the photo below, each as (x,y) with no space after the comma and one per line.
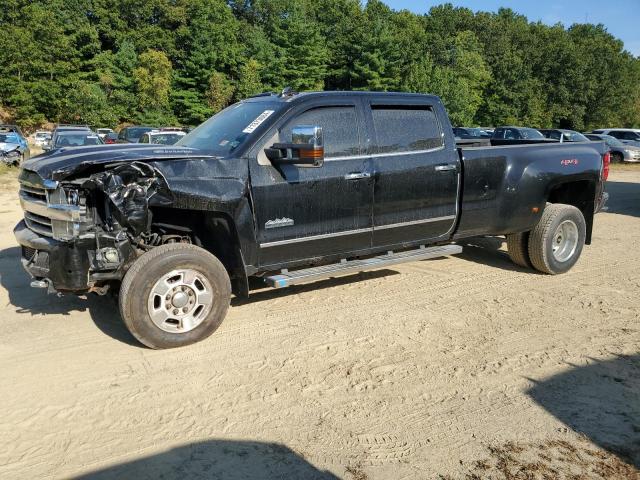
(620,152)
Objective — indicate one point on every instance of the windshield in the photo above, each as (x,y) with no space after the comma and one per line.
(612,141)
(226,131)
(77,140)
(575,137)
(137,132)
(166,138)
(8,138)
(530,133)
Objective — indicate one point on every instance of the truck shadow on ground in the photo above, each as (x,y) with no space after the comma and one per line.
(217,459)
(31,301)
(599,400)
(104,310)
(487,251)
(258,292)
(624,198)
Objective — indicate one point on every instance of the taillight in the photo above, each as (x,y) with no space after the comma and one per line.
(606,160)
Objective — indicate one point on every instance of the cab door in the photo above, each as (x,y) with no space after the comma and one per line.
(303,212)
(416,173)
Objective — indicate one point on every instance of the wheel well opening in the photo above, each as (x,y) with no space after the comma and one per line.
(581,194)
(213,231)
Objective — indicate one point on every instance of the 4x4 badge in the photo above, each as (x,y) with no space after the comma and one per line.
(279,222)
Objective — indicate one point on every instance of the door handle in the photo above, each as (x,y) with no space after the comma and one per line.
(445,168)
(357,175)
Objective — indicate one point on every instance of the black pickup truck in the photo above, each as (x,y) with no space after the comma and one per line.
(291,188)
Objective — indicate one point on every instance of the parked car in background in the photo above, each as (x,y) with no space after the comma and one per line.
(162,137)
(72,138)
(61,128)
(110,138)
(620,152)
(12,151)
(511,135)
(41,137)
(470,133)
(103,132)
(133,134)
(630,136)
(13,145)
(563,135)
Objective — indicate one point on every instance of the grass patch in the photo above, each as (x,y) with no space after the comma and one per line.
(625,167)
(8,176)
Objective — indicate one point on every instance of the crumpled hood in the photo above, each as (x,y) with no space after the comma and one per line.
(66,162)
(8,147)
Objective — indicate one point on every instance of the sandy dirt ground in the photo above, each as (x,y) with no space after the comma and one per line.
(464,367)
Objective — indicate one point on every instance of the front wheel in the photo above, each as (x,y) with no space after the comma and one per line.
(556,242)
(174,295)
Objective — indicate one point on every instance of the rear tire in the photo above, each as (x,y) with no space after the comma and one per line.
(556,242)
(174,295)
(518,249)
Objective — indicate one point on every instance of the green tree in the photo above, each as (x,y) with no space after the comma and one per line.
(153,79)
(249,79)
(220,92)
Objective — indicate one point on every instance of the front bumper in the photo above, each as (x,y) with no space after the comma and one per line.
(65,265)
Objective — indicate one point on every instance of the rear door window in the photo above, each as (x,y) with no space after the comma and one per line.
(401,128)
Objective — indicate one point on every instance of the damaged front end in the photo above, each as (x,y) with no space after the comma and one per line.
(81,234)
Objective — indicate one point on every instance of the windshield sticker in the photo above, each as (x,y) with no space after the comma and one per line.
(258,121)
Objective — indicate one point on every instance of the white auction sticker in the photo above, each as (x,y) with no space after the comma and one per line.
(258,121)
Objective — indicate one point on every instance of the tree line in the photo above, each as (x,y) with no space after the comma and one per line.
(108,62)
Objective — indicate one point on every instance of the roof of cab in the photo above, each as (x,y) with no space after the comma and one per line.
(289,97)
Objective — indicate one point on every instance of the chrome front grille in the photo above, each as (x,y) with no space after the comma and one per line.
(34,192)
(39,223)
(50,209)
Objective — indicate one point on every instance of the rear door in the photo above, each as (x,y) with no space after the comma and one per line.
(416,173)
(305,212)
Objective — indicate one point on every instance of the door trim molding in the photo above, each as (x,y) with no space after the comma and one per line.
(355,232)
(414,222)
(314,237)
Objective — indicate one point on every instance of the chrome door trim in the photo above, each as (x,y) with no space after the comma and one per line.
(389,154)
(355,232)
(314,237)
(414,222)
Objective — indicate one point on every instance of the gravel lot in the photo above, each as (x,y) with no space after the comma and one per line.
(465,367)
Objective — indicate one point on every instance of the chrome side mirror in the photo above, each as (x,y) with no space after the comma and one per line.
(306,147)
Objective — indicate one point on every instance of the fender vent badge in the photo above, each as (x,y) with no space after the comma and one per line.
(279,222)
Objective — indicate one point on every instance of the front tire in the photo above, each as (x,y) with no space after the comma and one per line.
(616,157)
(556,242)
(174,295)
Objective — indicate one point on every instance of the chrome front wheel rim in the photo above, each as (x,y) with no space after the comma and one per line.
(565,241)
(180,301)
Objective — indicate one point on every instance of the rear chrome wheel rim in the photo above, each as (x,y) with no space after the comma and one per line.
(180,301)
(565,241)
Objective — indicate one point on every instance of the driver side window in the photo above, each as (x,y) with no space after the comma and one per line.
(339,128)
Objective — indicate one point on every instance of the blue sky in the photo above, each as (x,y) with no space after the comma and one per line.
(621,17)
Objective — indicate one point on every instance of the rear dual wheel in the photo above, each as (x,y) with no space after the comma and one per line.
(555,243)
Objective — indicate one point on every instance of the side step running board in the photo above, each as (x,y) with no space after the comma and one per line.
(286,278)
